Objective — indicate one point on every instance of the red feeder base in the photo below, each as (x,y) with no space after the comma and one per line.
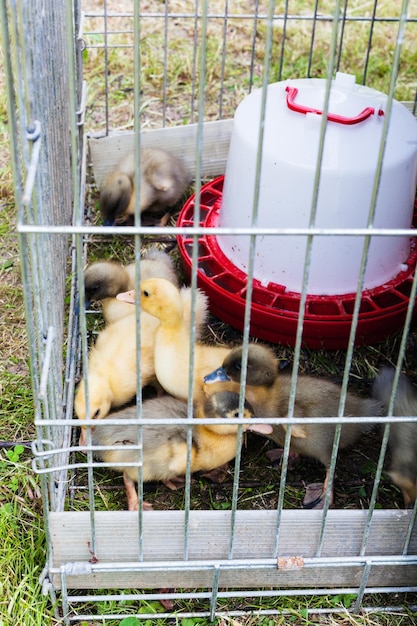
(274,310)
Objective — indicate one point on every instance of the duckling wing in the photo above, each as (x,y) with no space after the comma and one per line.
(164,449)
(164,178)
(164,452)
(164,446)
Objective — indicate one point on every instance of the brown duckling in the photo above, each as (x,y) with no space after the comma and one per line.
(269,394)
(164,179)
(103,280)
(162,300)
(112,360)
(165,449)
(402,443)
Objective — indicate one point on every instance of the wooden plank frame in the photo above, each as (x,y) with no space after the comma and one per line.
(253,564)
(181,140)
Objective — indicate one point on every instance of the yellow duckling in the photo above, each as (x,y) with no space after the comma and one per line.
(103,280)
(269,394)
(162,300)
(112,360)
(164,179)
(402,441)
(165,449)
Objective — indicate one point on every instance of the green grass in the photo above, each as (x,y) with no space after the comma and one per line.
(22,542)
(17,404)
(22,552)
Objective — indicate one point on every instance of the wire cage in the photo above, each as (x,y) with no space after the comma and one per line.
(88,82)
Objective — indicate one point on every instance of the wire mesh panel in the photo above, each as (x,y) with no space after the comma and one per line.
(37,64)
(171,76)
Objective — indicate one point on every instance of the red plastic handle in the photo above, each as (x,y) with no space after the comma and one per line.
(332,117)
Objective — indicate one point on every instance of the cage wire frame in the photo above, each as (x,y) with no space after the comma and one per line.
(346,552)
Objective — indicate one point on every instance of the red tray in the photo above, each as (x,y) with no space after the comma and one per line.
(274,310)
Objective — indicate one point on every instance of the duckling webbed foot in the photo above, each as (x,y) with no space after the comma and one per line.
(165,218)
(148,218)
(175,482)
(314,496)
(132,496)
(217,475)
(275,456)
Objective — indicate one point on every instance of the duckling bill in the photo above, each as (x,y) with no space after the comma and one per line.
(164,180)
(164,455)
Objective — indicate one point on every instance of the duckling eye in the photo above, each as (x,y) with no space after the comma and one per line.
(236,414)
(146,293)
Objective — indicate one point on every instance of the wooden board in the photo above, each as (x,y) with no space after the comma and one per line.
(254,564)
(105,152)
(181,140)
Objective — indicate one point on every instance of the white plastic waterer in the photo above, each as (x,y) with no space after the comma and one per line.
(289,161)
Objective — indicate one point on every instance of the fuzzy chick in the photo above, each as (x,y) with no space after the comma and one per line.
(164,180)
(402,441)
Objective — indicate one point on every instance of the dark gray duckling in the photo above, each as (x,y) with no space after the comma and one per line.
(402,441)
(164,180)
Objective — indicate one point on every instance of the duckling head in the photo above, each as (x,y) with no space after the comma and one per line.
(226,404)
(160,298)
(104,279)
(261,367)
(115,197)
